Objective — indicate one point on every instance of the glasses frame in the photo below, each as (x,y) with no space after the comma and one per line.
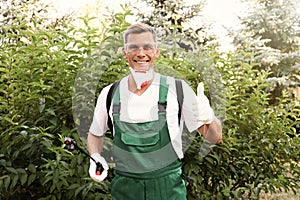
(146,47)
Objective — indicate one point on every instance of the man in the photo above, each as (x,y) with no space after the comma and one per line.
(147,145)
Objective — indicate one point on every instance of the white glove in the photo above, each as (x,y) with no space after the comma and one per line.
(202,110)
(92,171)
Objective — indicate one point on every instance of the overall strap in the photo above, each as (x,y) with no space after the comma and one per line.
(116,102)
(163,92)
(108,102)
(179,92)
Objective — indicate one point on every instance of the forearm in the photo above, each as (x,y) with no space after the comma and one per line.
(212,132)
(94,143)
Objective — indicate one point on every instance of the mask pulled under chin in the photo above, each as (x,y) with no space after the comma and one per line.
(141,77)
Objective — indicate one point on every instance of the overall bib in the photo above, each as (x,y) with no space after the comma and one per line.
(147,167)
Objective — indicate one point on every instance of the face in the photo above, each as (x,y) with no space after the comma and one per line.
(140,51)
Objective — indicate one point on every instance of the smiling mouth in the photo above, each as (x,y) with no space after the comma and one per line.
(142,62)
(140,71)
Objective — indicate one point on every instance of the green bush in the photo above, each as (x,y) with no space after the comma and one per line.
(257,153)
(38,68)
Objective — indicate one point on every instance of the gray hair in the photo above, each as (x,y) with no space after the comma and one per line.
(139,28)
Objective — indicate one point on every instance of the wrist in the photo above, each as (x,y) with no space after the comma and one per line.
(210,117)
(96,156)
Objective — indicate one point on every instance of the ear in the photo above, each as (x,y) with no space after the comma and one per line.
(157,53)
(124,53)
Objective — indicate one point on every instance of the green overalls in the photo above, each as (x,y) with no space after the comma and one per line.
(147,167)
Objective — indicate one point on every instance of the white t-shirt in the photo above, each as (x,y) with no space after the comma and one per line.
(144,108)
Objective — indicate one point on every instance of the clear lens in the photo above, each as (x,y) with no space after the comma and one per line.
(130,47)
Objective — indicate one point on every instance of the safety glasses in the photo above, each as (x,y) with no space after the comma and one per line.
(146,47)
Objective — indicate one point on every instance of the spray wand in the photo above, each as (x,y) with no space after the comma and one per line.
(71,145)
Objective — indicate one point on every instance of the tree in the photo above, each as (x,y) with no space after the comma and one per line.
(20,14)
(11,11)
(272,31)
(176,17)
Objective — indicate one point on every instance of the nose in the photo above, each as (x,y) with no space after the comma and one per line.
(141,52)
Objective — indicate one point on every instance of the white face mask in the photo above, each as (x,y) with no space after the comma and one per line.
(141,77)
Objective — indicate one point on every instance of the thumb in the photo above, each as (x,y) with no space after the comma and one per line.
(200,89)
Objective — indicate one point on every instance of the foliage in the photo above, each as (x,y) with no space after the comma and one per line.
(10,11)
(103,66)
(271,30)
(257,153)
(38,69)
(50,79)
(170,17)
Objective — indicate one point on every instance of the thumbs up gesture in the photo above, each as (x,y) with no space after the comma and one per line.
(201,108)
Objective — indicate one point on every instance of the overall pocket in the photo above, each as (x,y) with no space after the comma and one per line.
(146,139)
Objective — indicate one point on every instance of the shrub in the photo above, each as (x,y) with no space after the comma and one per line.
(256,153)
(38,68)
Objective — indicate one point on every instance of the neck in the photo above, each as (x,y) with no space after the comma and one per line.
(132,87)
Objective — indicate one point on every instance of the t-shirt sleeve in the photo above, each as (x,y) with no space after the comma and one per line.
(189,115)
(99,124)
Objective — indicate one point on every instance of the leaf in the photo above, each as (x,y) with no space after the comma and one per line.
(51,111)
(210,160)
(78,190)
(6,182)
(12,170)
(31,178)
(53,121)
(2,162)
(21,170)
(31,168)
(14,181)
(226,192)
(74,186)
(23,178)
(49,178)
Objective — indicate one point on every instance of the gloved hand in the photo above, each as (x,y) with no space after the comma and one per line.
(203,111)
(92,171)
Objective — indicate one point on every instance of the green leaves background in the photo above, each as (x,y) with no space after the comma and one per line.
(38,98)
